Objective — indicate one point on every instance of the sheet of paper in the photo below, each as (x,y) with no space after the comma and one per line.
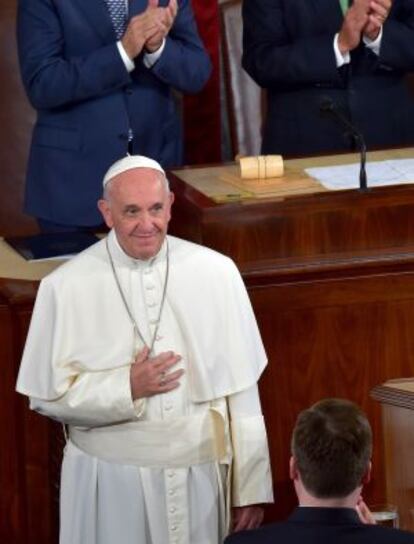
(391,172)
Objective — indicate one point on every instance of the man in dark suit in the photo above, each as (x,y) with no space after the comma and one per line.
(102,75)
(330,463)
(358,56)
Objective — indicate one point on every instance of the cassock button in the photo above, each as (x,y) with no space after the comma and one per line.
(170,473)
(172,509)
(153,321)
(168,407)
(150,287)
(171,492)
(174,528)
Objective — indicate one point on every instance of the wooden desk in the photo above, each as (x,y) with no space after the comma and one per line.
(346,224)
(397,402)
(331,278)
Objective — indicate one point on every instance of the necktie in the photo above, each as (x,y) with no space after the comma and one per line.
(344,5)
(118,12)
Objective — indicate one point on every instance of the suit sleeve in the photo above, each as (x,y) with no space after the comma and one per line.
(273,56)
(184,63)
(397,51)
(252,480)
(51,78)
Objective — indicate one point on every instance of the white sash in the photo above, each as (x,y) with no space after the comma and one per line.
(180,442)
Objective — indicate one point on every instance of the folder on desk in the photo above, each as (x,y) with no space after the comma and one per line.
(51,245)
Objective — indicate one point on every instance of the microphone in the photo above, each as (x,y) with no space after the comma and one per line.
(328,107)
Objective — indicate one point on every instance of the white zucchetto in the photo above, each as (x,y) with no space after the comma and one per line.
(128,163)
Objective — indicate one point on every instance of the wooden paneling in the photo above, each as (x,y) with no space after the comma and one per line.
(33,453)
(16,122)
(397,400)
(12,484)
(330,338)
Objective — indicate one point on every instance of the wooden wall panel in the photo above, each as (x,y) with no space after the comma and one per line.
(34,443)
(398,425)
(12,483)
(16,122)
(332,338)
(396,398)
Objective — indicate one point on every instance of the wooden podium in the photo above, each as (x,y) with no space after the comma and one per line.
(397,402)
(331,279)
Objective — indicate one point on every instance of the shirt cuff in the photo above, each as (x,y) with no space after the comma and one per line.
(151,58)
(340,58)
(374,45)
(129,64)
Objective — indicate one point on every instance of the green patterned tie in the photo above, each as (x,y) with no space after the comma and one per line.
(344,5)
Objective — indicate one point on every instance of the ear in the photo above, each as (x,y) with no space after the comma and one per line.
(366,478)
(293,469)
(171,198)
(105,209)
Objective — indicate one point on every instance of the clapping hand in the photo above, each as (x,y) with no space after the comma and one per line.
(148,29)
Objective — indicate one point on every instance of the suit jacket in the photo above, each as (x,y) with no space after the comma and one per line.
(86,100)
(288,50)
(322,526)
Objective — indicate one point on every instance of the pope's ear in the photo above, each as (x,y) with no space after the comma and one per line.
(105,209)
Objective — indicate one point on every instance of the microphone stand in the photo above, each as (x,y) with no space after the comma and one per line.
(329,107)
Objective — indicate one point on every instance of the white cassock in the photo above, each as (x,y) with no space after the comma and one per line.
(160,470)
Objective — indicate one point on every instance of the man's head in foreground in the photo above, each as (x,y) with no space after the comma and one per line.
(331,454)
(136,203)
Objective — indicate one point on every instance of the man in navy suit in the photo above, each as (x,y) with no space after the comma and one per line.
(330,463)
(102,76)
(358,56)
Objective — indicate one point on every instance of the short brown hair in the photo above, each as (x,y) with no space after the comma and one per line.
(332,445)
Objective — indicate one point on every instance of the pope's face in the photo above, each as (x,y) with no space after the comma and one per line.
(138,208)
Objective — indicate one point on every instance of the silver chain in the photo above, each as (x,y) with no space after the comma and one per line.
(127,308)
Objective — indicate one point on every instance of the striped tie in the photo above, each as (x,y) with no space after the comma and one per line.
(344,5)
(118,12)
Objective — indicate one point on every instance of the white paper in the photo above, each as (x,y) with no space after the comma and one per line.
(391,172)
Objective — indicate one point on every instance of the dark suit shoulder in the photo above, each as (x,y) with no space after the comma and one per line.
(264,534)
(312,533)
